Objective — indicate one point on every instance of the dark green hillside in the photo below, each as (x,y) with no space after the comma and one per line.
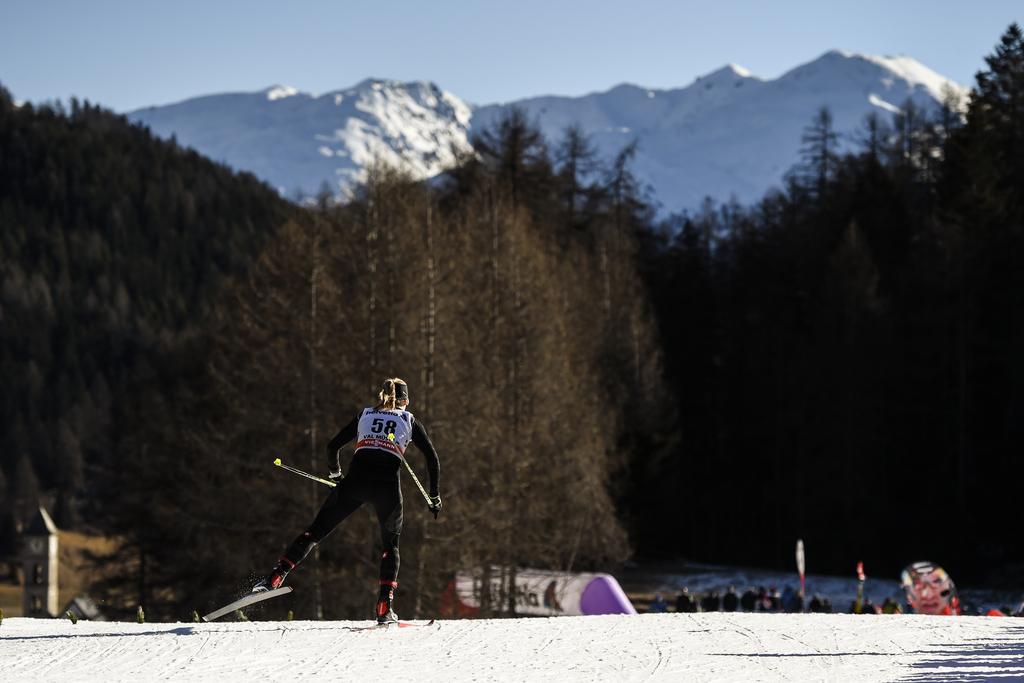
(112,243)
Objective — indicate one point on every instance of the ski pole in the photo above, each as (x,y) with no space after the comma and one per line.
(333,484)
(416,479)
(299,472)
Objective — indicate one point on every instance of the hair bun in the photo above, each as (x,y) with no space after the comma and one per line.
(388,392)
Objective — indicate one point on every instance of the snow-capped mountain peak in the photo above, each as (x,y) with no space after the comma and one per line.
(301,142)
(902,75)
(277,92)
(730,133)
(728,74)
(915,72)
(726,134)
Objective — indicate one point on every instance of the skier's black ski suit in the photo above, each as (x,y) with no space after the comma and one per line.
(372,478)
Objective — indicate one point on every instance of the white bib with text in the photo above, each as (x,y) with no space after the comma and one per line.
(388,430)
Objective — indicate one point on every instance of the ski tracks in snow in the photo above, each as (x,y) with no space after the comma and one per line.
(662,647)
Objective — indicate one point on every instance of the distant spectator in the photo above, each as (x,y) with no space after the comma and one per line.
(787,598)
(1020,611)
(792,603)
(685,601)
(748,601)
(658,605)
(764,604)
(890,606)
(730,601)
(774,599)
(712,602)
(816,605)
(826,606)
(866,607)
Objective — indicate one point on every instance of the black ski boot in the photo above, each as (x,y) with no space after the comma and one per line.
(386,615)
(276,578)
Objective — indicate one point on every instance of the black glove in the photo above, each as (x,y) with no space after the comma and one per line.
(336,476)
(434,503)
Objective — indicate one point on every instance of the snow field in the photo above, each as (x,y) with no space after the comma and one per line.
(653,647)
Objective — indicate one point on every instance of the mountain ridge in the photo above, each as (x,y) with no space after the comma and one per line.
(728,134)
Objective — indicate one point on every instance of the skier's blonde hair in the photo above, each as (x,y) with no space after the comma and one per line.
(387,393)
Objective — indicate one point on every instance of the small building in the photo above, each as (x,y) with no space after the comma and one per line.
(39,561)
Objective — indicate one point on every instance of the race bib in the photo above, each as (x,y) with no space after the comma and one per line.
(388,430)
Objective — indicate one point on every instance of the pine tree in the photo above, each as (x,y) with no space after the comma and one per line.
(517,153)
(577,160)
(995,121)
(819,151)
(874,137)
(984,203)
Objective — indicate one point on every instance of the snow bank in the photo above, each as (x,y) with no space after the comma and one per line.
(663,647)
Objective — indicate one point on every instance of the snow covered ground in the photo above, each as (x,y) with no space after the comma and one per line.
(663,647)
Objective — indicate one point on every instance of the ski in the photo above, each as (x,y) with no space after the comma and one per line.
(407,624)
(250,599)
(384,626)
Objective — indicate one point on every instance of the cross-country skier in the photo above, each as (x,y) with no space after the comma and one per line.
(383,433)
(930,590)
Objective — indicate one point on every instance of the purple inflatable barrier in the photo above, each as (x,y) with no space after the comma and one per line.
(604,595)
(547,593)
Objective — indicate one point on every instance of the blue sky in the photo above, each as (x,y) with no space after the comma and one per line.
(129,54)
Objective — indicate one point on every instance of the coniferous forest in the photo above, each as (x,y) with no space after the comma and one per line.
(842,362)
